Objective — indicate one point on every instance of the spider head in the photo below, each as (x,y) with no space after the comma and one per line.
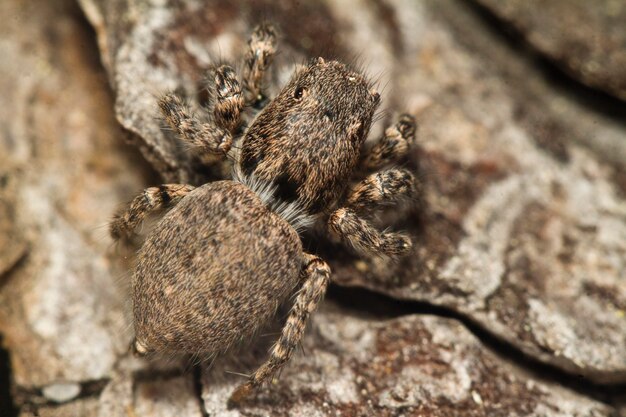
(307,141)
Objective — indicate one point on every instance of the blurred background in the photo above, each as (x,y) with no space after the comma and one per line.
(514,300)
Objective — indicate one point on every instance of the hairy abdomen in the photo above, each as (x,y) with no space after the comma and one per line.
(213,270)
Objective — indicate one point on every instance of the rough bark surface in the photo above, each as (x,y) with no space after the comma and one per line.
(520,232)
(522,228)
(413,365)
(587,39)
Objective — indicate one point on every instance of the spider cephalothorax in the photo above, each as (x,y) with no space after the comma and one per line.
(308,139)
(227,254)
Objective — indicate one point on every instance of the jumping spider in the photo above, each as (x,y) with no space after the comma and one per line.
(228,253)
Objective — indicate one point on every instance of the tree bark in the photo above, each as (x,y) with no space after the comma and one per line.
(520,231)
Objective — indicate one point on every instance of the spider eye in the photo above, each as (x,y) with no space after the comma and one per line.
(299,93)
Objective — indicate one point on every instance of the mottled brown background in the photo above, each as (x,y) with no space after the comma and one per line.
(514,301)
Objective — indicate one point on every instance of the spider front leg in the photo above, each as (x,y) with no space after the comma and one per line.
(126,221)
(229,98)
(395,143)
(382,188)
(379,189)
(316,276)
(211,138)
(261,50)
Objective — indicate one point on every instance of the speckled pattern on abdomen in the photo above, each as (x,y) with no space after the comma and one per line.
(213,270)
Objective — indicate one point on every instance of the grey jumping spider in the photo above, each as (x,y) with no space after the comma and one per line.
(220,262)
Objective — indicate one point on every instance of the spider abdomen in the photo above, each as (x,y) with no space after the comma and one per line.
(213,271)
